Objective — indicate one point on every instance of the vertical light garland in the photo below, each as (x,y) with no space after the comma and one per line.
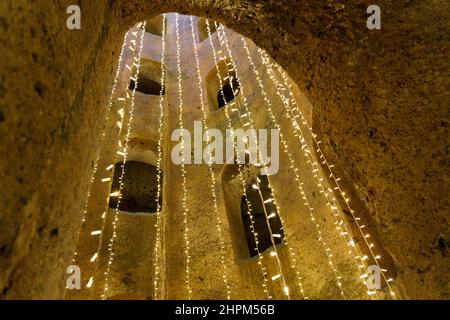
(297,113)
(317,173)
(249,212)
(247,113)
(210,167)
(310,209)
(109,169)
(255,235)
(183,170)
(280,275)
(158,250)
(102,138)
(95,169)
(124,153)
(121,112)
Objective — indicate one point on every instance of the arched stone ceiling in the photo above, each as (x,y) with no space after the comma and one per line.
(380,105)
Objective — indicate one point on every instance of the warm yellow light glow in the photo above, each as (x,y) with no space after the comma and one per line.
(158,254)
(90,282)
(94,257)
(290,158)
(210,167)
(183,170)
(124,154)
(296,112)
(114,194)
(246,121)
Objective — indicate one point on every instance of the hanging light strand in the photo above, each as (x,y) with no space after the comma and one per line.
(278,262)
(297,113)
(249,123)
(97,158)
(264,273)
(210,167)
(124,153)
(341,227)
(309,207)
(120,113)
(247,113)
(158,254)
(102,138)
(94,257)
(183,170)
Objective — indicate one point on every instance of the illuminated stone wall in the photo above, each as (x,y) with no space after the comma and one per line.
(379,106)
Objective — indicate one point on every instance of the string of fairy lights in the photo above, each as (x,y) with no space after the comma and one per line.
(183,169)
(311,212)
(223,39)
(249,124)
(122,105)
(102,138)
(317,174)
(157,258)
(209,163)
(124,153)
(284,274)
(264,272)
(297,113)
(126,45)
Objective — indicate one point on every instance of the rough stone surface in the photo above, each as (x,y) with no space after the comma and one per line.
(380,105)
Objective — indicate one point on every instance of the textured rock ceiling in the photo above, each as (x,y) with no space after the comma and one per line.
(380,105)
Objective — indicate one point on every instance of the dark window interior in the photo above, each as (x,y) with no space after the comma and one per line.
(228,94)
(140,187)
(259,218)
(147,86)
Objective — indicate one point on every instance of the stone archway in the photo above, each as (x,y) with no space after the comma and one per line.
(379,106)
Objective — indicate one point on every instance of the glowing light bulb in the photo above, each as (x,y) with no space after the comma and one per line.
(114,194)
(90,282)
